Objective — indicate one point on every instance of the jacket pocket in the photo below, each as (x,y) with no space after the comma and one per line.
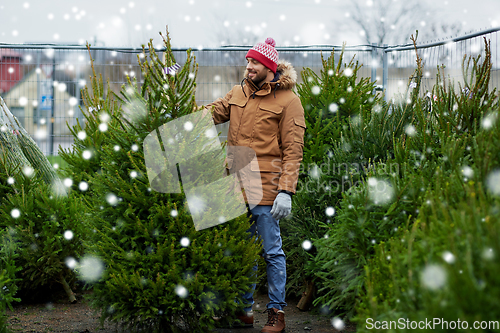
(299,130)
(272,108)
(241,102)
(267,120)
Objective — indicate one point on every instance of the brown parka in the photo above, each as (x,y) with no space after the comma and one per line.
(270,120)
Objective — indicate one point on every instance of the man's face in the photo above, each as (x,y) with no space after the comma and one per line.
(257,72)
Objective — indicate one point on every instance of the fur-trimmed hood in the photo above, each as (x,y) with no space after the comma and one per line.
(287,76)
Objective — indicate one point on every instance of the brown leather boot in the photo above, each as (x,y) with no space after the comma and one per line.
(244,319)
(275,321)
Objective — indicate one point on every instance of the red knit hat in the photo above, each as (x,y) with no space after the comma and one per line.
(265,53)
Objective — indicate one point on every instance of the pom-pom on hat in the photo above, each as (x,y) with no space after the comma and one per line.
(265,53)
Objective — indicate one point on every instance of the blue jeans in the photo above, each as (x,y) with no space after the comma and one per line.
(268,229)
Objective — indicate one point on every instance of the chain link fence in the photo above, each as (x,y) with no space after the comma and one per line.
(41,84)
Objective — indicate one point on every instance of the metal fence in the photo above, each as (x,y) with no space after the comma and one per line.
(399,63)
(41,83)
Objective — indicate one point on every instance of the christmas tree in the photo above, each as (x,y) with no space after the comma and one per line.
(441,264)
(36,215)
(20,149)
(149,266)
(8,280)
(49,230)
(101,110)
(334,100)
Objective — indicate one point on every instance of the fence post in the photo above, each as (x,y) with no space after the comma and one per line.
(385,72)
(52,108)
(374,63)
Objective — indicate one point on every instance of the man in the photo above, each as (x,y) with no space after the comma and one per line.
(265,114)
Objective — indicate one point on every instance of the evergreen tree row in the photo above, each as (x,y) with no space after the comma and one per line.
(396,213)
(400,202)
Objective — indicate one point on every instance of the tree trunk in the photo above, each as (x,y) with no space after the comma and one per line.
(307,296)
(67,289)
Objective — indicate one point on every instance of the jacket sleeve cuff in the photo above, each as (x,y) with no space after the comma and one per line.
(287,192)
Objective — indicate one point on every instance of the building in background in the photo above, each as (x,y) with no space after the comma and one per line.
(30,100)
(10,69)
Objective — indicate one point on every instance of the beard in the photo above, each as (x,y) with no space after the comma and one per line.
(259,78)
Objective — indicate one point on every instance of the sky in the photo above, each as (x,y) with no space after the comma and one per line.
(202,24)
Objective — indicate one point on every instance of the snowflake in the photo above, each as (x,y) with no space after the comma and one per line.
(307,245)
(15,213)
(330,211)
(433,277)
(448,257)
(181,291)
(185,242)
(338,323)
(68,234)
(91,268)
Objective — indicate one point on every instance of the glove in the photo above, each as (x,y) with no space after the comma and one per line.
(282,206)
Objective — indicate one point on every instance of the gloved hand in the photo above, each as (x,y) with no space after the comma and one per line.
(282,206)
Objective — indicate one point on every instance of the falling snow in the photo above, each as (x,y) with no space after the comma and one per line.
(185,242)
(90,268)
(103,127)
(314,172)
(181,291)
(330,211)
(448,257)
(211,133)
(380,192)
(112,199)
(104,117)
(410,130)
(333,107)
(15,213)
(188,126)
(488,254)
(28,171)
(307,245)
(493,182)
(348,72)
(433,277)
(196,204)
(338,323)
(68,234)
(71,262)
(83,186)
(489,121)
(467,171)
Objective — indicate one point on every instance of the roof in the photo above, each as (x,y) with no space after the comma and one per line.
(9,53)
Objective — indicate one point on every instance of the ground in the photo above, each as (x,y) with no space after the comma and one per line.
(60,316)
